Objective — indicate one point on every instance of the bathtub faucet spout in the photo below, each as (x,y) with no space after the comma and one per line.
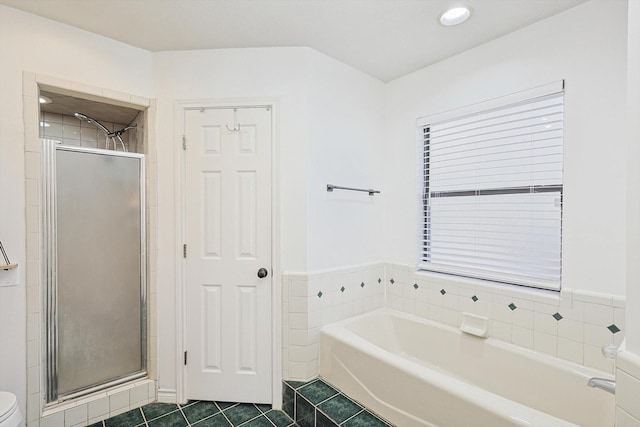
(603,384)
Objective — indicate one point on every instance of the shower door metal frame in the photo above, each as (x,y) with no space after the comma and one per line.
(49,273)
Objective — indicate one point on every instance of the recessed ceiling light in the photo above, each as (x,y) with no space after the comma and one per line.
(455,16)
(44,100)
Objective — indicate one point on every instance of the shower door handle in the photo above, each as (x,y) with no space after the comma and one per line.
(262,273)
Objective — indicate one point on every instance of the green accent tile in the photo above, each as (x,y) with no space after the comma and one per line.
(225,405)
(320,294)
(474,298)
(512,306)
(155,410)
(340,408)
(199,411)
(323,421)
(557,316)
(392,281)
(174,419)
(130,418)
(415,286)
(241,413)
(442,291)
(342,289)
(98,424)
(189,402)
(613,328)
(362,285)
(379,280)
(217,420)
(261,421)
(317,392)
(365,419)
(279,418)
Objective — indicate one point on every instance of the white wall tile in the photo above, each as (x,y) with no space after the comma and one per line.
(75,416)
(98,408)
(546,323)
(54,420)
(138,394)
(118,401)
(501,330)
(597,335)
(598,314)
(572,351)
(523,318)
(33,407)
(593,358)
(623,419)
(501,312)
(571,329)
(33,354)
(545,343)
(628,393)
(522,337)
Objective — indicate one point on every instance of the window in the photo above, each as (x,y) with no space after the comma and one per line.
(491,199)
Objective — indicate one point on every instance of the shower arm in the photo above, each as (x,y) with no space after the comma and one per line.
(111,135)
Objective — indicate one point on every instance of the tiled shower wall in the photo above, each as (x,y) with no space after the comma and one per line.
(571,325)
(72,131)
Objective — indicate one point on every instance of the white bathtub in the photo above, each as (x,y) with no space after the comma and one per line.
(415,372)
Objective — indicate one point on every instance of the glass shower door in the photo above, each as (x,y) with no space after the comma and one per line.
(98,325)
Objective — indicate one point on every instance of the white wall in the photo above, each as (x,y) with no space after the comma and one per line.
(43,47)
(346,140)
(633,168)
(586,46)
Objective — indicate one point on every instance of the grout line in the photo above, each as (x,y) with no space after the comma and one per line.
(184,416)
(225,415)
(353,416)
(144,417)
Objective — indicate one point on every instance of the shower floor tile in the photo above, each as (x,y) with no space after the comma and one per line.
(200,414)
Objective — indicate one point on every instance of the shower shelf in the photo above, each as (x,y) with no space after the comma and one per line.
(8,267)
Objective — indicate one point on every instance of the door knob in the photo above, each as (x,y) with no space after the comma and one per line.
(262,273)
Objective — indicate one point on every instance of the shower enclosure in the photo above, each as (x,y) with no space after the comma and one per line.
(93,269)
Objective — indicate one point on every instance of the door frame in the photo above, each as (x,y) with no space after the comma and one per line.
(180,109)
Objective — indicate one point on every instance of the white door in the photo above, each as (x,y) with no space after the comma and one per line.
(228,237)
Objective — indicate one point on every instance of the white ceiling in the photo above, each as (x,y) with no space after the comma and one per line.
(384,38)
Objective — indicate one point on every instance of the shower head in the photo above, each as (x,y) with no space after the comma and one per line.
(94,122)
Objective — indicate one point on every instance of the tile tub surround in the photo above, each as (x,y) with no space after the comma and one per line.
(316,403)
(200,414)
(313,300)
(570,325)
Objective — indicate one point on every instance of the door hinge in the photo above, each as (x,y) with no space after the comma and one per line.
(184,142)
(185,358)
(184,250)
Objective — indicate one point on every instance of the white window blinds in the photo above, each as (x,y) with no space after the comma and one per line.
(491,182)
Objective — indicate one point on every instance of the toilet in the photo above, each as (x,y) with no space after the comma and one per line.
(10,415)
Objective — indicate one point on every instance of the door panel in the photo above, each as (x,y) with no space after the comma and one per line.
(228,222)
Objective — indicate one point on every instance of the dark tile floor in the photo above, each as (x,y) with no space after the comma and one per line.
(200,414)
